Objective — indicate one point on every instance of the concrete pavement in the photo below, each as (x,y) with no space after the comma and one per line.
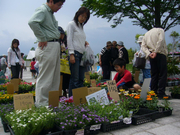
(164,126)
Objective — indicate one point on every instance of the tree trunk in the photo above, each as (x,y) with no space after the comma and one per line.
(157,13)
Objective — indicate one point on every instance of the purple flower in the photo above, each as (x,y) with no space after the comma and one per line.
(62,127)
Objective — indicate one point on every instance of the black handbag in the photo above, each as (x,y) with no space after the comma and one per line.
(140,63)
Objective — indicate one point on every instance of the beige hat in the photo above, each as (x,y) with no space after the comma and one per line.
(140,39)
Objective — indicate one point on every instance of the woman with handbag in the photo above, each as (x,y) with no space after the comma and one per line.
(76,39)
(147,69)
(14,58)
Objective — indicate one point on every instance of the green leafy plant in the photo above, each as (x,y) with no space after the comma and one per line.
(5,109)
(175,90)
(31,121)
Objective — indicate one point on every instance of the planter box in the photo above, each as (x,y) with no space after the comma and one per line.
(54,131)
(163,113)
(5,126)
(175,96)
(71,132)
(143,116)
(106,127)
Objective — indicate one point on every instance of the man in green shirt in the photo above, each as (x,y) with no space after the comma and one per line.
(45,28)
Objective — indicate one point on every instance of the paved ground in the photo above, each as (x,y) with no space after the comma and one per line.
(164,126)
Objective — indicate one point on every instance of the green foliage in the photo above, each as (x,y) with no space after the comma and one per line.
(175,41)
(171,67)
(152,104)
(145,13)
(31,121)
(175,90)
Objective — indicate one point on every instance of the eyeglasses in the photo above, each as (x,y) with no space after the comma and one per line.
(116,67)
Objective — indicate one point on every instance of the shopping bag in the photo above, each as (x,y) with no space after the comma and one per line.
(8,71)
(88,57)
(140,63)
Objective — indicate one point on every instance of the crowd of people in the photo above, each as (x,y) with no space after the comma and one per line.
(113,57)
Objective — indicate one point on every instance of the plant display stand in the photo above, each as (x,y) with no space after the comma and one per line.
(143,116)
(5,126)
(163,113)
(54,131)
(106,127)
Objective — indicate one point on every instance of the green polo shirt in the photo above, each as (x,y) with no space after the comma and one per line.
(44,24)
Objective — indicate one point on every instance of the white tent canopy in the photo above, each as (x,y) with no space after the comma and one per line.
(31,55)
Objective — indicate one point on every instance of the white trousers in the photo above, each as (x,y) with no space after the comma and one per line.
(49,72)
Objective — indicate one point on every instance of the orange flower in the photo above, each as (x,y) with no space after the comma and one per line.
(165,97)
(136,97)
(131,95)
(108,94)
(152,94)
(148,96)
(148,99)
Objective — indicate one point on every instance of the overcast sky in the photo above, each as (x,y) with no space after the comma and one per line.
(14,16)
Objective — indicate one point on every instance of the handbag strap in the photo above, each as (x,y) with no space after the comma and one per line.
(16,53)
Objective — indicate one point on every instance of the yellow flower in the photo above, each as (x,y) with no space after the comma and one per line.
(121,90)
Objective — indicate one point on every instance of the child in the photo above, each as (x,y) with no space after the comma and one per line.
(123,77)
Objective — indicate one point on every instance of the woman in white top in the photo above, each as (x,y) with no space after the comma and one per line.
(76,45)
(14,58)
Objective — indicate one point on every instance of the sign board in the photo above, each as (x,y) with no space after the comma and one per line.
(16,83)
(113,73)
(99,96)
(54,98)
(87,76)
(23,101)
(93,82)
(79,95)
(10,88)
(113,91)
(60,85)
(136,76)
(93,89)
(145,88)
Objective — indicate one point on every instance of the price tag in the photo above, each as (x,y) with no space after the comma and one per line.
(115,121)
(80,132)
(95,127)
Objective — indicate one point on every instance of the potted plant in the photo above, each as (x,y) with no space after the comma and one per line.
(31,121)
(5,109)
(175,92)
(72,118)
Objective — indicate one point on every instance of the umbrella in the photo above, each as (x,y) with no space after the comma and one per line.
(31,55)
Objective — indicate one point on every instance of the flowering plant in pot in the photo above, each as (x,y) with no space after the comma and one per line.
(6,98)
(151,102)
(31,121)
(76,117)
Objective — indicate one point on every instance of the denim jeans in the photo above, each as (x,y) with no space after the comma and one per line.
(146,73)
(77,73)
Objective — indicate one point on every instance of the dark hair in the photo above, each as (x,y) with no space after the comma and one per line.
(120,62)
(33,59)
(108,43)
(13,42)
(22,54)
(81,11)
(56,1)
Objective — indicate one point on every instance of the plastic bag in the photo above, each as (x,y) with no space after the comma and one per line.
(8,71)
(88,57)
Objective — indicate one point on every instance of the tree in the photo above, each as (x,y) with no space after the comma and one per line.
(32,49)
(145,13)
(175,41)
